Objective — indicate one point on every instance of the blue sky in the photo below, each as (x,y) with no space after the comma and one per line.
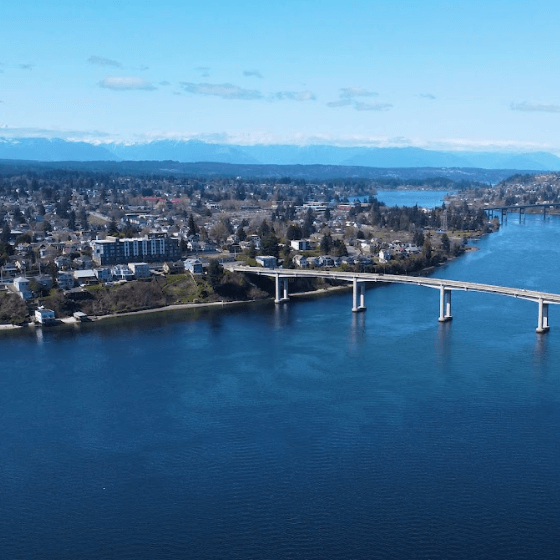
(432,73)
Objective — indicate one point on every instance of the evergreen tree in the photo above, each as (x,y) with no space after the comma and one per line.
(445,244)
(326,244)
(215,272)
(6,232)
(193,230)
(270,245)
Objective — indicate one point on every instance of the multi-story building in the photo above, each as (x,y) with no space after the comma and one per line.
(154,248)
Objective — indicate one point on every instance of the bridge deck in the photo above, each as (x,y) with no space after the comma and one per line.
(437,283)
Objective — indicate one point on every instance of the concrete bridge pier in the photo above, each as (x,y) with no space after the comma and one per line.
(543,317)
(358,296)
(281,290)
(444,305)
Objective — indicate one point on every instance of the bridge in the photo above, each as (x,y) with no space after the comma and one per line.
(521,208)
(445,287)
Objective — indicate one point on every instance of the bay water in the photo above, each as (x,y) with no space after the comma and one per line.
(295,431)
(423,198)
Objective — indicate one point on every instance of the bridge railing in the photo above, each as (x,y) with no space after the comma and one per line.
(359,279)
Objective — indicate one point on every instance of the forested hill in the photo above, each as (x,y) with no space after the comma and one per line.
(256,171)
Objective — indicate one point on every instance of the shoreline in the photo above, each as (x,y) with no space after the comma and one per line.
(169,308)
(194,306)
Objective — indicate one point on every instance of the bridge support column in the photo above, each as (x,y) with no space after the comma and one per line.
(358,296)
(542,325)
(444,305)
(281,289)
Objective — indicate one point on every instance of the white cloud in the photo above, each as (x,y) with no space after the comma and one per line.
(92,136)
(339,103)
(26,66)
(126,83)
(427,96)
(102,61)
(264,137)
(352,92)
(535,107)
(361,106)
(225,91)
(294,95)
(348,97)
(254,73)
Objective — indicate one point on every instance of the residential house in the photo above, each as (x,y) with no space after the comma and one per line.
(122,272)
(256,241)
(103,274)
(8,271)
(85,277)
(140,270)
(193,265)
(301,244)
(83,262)
(62,262)
(384,256)
(65,280)
(301,261)
(45,281)
(173,267)
(21,284)
(23,264)
(44,316)
(412,249)
(266,261)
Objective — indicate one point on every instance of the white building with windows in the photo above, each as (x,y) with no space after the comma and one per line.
(154,248)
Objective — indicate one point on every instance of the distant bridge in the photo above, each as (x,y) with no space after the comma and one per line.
(359,280)
(521,208)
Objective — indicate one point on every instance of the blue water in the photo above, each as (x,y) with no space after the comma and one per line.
(296,431)
(425,199)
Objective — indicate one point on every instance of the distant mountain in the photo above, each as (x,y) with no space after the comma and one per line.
(192,151)
(187,151)
(46,149)
(406,157)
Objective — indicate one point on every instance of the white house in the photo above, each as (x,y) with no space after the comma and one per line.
(122,272)
(44,316)
(21,284)
(193,265)
(301,244)
(384,256)
(266,261)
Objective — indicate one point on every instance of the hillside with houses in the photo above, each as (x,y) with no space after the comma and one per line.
(99,243)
